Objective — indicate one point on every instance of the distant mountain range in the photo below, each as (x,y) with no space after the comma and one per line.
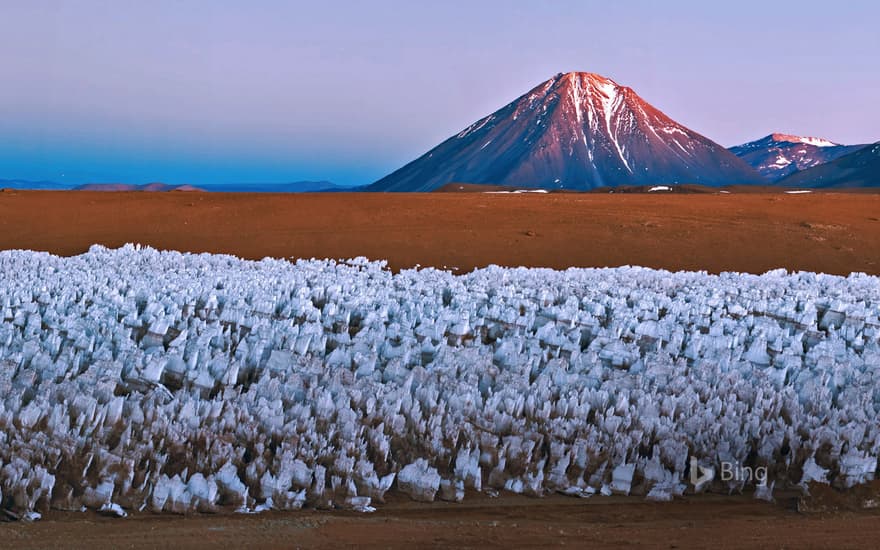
(292,187)
(575,131)
(860,169)
(36,185)
(581,131)
(155,187)
(780,155)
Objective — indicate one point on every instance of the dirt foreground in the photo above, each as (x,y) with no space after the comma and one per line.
(479,522)
(828,232)
(834,233)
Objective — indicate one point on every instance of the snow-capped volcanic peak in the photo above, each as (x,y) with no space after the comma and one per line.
(576,130)
(780,155)
(817,142)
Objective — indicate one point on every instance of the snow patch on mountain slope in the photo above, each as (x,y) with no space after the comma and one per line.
(610,100)
(817,142)
(475,127)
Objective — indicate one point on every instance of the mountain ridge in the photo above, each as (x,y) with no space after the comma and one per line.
(856,170)
(574,131)
(305,186)
(777,156)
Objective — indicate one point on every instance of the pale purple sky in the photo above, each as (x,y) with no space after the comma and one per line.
(220,91)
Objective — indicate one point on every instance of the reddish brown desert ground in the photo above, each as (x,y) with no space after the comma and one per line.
(836,233)
(508,521)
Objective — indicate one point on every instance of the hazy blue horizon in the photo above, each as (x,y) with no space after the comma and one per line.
(212,92)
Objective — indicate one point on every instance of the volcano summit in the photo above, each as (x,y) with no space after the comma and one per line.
(575,131)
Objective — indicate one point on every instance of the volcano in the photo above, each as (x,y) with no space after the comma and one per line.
(780,155)
(575,131)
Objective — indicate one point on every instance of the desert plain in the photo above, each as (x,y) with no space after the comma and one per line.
(835,233)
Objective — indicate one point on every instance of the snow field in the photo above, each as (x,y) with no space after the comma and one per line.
(134,379)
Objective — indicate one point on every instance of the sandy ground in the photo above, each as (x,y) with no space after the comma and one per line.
(479,522)
(836,233)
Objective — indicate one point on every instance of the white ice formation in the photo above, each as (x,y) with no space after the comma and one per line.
(133,379)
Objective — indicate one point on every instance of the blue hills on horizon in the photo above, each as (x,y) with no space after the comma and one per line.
(290,187)
(34,185)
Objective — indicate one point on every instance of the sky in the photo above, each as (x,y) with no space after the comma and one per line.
(221,91)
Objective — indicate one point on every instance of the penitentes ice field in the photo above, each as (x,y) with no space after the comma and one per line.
(133,379)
